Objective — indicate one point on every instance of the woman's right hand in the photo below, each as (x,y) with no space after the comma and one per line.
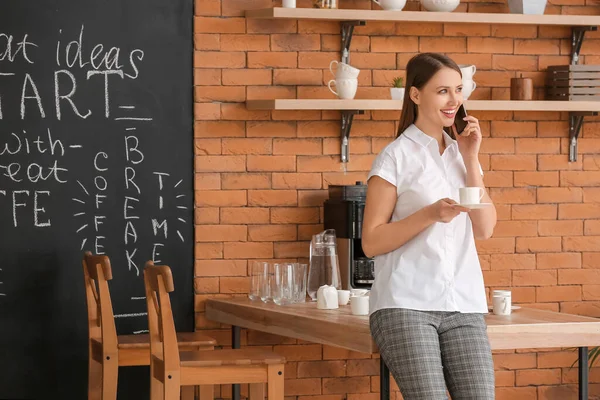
(445,210)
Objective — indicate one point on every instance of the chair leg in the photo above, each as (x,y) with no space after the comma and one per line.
(187,392)
(110,375)
(172,389)
(256,391)
(207,392)
(275,382)
(156,386)
(94,380)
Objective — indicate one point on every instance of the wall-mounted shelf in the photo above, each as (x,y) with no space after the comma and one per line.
(576,109)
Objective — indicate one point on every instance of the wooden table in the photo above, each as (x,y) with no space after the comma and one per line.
(524,328)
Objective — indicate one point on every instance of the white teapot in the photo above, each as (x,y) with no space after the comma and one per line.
(327,298)
(391,5)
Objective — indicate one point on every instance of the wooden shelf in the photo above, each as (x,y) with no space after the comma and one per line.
(423,16)
(475,105)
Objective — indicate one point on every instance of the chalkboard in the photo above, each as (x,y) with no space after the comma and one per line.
(96,153)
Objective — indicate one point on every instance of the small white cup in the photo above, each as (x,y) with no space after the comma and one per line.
(343,70)
(502,301)
(470,195)
(346,88)
(289,3)
(360,305)
(358,292)
(343,297)
(469,86)
(467,71)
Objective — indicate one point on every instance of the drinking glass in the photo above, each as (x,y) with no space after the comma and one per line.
(282,283)
(259,274)
(300,277)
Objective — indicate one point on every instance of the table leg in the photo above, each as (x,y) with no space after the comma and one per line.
(583,373)
(384,380)
(235,343)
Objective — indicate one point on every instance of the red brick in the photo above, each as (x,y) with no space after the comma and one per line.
(512,195)
(316,26)
(537,46)
(557,162)
(394,44)
(307,386)
(508,129)
(591,292)
(207,111)
(299,353)
(295,42)
(591,195)
(490,45)
(270,198)
(246,181)
(537,178)
(297,146)
(515,361)
(271,129)
(591,260)
(560,228)
(497,278)
(221,233)
(271,233)
(272,60)
(320,369)
(443,44)
(467,30)
(538,377)
(534,212)
(291,249)
(558,293)
(588,308)
(206,285)
(587,178)
(581,243)
(497,145)
(296,180)
(244,215)
(592,227)
(538,146)
(359,384)
(290,215)
(306,232)
(244,43)
(521,393)
(234,285)
(557,359)
(207,76)
(270,93)
(559,195)
(514,63)
(578,276)
(207,181)
(271,26)
(239,112)
(498,178)
(520,31)
(320,59)
(496,245)
(219,59)
(505,378)
(515,228)
(243,77)
(219,25)
(220,93)
(207,7)
(206,216)
(218,129)
(220,198)
(512,261)
(238,7)
(312,198)
(245,250)
(247,146)
(534,278)
(220,268)
(271,163)
(558,260)
(513,162)
(538,244)
(208,251)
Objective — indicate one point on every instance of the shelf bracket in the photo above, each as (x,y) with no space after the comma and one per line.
(347,31)
(347,118)
(578,34)
(575,124)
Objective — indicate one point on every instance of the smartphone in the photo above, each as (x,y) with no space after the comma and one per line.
(459,122)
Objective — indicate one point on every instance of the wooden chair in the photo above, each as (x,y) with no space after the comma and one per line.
(170,368)
(107,351)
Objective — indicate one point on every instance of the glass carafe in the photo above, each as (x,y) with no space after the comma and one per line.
(324,267)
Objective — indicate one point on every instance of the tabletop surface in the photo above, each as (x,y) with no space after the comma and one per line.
(524,328)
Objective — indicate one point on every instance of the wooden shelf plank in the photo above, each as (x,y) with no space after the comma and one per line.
(476,105)
(423,16)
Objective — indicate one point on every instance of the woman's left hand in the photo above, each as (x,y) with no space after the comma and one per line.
(470,139)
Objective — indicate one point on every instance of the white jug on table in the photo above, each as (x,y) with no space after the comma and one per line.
(327,298)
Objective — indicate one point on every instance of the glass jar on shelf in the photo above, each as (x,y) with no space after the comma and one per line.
(325,3)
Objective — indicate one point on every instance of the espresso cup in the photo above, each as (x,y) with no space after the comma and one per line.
(343,297)
(346,88)
(288,3)
(468,88)
(343,70)
(502,301)
(470,195)
(467,71)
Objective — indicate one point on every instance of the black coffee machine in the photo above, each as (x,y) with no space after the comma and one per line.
(343,211)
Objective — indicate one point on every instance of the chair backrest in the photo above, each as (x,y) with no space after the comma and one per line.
(101,321)
(158,281)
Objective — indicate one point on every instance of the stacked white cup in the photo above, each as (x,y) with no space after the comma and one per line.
(469,84)
(346,80)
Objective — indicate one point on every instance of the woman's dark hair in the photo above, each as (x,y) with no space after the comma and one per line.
(419,70)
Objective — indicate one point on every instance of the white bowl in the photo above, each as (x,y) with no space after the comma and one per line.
(440,5)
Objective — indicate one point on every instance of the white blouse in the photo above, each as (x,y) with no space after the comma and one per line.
(437,270)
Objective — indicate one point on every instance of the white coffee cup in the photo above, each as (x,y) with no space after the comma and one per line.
(343,70)
(289,3)
(346,88)
(343,297)
(502,301)
(359,305)
(470,195)
(358,292)
(469,86)
(467,71)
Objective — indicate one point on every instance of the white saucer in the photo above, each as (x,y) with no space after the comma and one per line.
(512,307)
(475,206)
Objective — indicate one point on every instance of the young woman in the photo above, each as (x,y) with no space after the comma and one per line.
(428,300)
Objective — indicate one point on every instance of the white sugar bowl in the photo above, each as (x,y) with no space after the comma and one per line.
(440,5)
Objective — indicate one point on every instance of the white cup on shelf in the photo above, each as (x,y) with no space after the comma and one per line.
(346,88)
(288,3)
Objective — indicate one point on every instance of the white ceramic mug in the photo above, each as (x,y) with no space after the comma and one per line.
(469,86)
(343,70)
(288,3)
(390,5)
(470,195)
(467,71)
(359,305)
(346,88)
(502,301)
(343,297)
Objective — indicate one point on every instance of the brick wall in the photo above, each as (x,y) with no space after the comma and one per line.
(261,176)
